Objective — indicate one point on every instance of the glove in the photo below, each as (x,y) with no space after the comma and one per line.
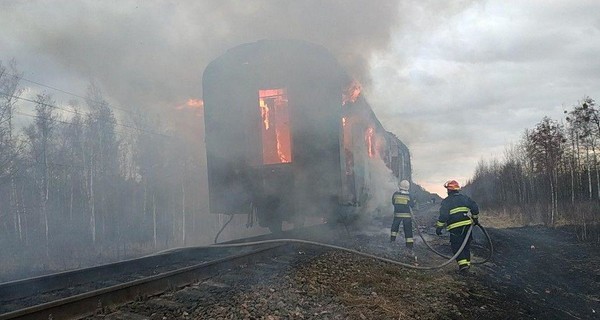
(438,231)
(476,221)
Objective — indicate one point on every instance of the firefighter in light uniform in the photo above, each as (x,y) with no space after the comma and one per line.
(454,214)
(402,209)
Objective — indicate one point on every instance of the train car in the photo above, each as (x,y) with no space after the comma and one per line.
(364,141)
(283,141)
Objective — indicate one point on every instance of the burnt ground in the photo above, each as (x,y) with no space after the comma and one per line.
(546,271)
(543,273)
(535,273)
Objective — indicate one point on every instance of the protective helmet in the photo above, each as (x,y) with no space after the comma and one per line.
(404,185)
(452,185)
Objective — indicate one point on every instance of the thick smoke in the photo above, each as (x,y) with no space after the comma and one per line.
(150,57)
(152,54)
(382,184)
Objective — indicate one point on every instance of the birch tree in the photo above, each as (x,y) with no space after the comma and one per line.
(584,121)
(9,147)
(39,135)
(545,148)
(101,161)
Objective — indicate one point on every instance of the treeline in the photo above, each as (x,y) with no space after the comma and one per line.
(551,175)
(76,181)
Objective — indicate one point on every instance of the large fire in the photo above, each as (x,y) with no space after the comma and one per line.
(276,135)
(351,93)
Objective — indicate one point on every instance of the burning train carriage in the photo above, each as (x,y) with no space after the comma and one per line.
(365,140)
(281,141)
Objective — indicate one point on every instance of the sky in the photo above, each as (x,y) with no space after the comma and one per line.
(462,85)
(457,81)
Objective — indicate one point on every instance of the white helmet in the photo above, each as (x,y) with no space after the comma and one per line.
(404,185)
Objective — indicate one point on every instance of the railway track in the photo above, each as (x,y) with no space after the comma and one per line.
(199,299)
(83,292)
(77,293)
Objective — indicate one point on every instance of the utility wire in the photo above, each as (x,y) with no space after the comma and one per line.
(112,106)
(74,112)
(52,106)
(71,93)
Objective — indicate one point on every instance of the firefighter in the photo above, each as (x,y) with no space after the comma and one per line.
(402,214)
(454,214)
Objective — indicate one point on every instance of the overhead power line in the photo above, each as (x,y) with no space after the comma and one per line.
(74,94)
(66,122)
(111,106)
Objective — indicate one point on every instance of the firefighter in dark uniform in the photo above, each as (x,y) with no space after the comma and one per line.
(402,214)
(454,214)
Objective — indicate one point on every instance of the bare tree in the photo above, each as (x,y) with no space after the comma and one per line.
(101,150)
(80,174)
(584,121)
(39,135)
(9,147)
(545,148)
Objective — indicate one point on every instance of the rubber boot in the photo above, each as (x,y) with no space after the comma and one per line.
(410,252)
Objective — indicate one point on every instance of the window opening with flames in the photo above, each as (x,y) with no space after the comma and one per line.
(370,140)
(276,133)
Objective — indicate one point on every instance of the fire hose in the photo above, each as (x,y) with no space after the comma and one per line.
(485,233)
(367,255)
(223,227)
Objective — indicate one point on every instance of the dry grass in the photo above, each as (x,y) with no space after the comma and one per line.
(502,219)
(582,218)
(535,214)
(375,290)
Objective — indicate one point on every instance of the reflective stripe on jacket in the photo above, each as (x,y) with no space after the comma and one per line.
(402,203)
(454,211)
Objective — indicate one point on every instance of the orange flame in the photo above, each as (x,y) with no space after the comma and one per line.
(276,135)
(191,104)
(370,135)
(195,103)
(280,152)
(264,112)
(351,93)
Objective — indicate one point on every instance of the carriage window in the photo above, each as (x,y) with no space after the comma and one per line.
(276,136)
(370,141)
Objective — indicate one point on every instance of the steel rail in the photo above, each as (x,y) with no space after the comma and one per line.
(18,289)
(94,301)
